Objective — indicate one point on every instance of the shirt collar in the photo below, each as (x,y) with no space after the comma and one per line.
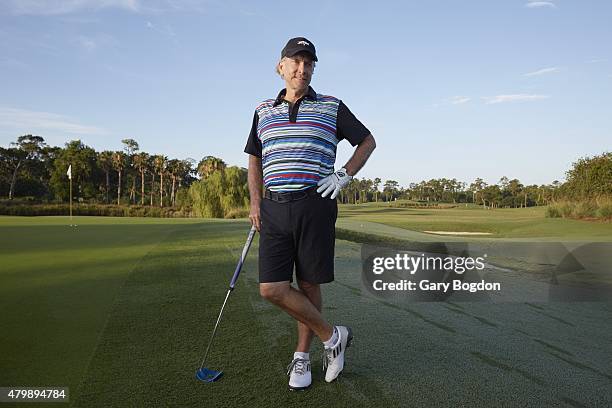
(311,94)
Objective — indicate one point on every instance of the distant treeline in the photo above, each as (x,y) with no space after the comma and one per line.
(589,179)
(37,174)
(31,169)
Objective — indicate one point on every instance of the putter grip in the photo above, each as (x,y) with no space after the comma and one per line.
(245,250)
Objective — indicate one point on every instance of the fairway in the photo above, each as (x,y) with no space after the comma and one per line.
(508,223)
(120,310)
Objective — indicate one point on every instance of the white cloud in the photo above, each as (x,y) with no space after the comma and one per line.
(453,100)
(25,121)
(540,4)
(490,100)
(542,71)
(458,100)
(596,61)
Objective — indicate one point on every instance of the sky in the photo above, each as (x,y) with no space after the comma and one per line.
(448,88)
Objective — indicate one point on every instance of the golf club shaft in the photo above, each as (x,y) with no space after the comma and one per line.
(245,250)
(215,329)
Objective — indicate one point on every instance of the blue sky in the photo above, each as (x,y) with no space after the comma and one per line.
(459,89)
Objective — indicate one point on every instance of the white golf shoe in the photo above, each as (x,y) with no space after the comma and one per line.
(333,357)
(299,374)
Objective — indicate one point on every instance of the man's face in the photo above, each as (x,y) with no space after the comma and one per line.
(297,70)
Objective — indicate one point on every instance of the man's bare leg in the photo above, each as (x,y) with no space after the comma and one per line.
(313,293)
(298,305)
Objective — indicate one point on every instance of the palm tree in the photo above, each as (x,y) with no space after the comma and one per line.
(105,161)
(131,147)
(452,187)
(151,169)
(119,165)
(141,162)
(365,186)
(353,187)
(376,185)
(160,165)
(132,177)
(174,168)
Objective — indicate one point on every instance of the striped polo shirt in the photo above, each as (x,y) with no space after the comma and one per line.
(297,142)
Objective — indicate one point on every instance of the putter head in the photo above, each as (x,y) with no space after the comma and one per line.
(208,375)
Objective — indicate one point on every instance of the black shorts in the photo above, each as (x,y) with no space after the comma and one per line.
(300,234)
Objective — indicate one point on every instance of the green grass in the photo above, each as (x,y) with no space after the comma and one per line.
(528,223)
(120,310)
(57,287)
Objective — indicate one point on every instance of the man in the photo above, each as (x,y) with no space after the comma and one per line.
(292,148)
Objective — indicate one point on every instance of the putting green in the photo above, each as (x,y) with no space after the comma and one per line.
(121,310)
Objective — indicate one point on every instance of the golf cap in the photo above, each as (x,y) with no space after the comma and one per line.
(299,44)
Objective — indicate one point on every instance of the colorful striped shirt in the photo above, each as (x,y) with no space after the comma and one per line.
(297,142)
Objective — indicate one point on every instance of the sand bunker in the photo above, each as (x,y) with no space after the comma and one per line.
(458,233)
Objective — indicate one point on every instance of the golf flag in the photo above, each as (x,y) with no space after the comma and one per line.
(69,172)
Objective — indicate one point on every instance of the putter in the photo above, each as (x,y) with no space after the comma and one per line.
(208,374)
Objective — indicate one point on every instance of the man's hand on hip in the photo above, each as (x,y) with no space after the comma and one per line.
(334,183)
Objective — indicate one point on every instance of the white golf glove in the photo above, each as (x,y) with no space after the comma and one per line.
(334,183)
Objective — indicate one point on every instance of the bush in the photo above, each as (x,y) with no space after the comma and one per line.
(20,201)
(561,209)
(600,208)
(223,194)
(605,208)
(585,209)
(589,178)
(93,210)
(183,200)
(237,213)
(552,211)
(420,204)
(567,209)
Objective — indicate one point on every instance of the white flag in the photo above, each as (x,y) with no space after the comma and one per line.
(69,172)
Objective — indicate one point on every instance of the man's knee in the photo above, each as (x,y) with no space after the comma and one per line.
(312,292)
(308,287)
(273,292)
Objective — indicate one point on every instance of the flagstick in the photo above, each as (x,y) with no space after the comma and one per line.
(69,174)
(71,201)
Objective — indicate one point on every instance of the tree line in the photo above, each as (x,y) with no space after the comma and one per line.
(507,193)
(30,168)
(588,178)
(37,173)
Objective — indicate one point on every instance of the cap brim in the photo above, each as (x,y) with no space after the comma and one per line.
(314,57)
